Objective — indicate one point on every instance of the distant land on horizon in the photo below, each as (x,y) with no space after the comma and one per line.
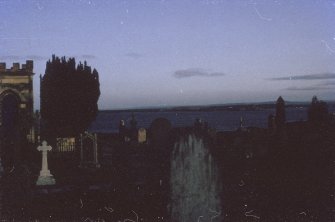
(217,107)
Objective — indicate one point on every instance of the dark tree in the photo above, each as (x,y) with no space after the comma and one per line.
(280,112)
(69,96)
(318,111)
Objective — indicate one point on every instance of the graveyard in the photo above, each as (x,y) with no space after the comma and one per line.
(172,111)
(141,176)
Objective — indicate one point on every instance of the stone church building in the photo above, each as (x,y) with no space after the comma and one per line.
(16,109)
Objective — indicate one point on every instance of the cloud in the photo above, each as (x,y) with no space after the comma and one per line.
(318,76)
(329,83)
(134,55)
(88,56)
(37,57)
(192,72)
(16,57)
(10,57)
(307,88)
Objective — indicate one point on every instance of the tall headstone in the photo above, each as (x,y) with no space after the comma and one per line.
(45,178)
(280,112)
(195,189)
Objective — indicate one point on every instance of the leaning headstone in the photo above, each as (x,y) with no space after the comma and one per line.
(142,135)
(160,132)
(45,178)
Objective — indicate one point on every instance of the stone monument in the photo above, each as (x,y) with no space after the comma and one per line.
(89,150)
(45,178)
(142,135)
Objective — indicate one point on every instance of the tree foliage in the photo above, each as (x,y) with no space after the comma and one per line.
(69,96)
(318,111)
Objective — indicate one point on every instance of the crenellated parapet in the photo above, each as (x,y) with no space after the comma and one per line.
(19,79)
(16,69)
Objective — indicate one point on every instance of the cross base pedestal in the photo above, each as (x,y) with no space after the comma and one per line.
(46,180)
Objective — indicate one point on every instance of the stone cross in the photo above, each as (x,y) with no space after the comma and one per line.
(45,178)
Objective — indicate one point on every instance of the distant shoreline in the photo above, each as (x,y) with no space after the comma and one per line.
(217,107)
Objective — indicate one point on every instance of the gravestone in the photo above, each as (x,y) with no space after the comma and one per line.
(122,130)
(160,132)
(45,178)
(89,150)
(142,135)
(195,190)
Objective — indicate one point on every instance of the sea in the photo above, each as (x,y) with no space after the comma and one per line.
(107,121)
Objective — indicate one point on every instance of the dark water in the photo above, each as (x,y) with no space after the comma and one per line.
(108,121)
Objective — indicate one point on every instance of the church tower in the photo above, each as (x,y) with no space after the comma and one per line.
(16,106)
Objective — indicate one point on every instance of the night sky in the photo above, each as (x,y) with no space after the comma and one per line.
(181,52)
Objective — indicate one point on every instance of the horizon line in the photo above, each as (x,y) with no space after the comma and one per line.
(205,105)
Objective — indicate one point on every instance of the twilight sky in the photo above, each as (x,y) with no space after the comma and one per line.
(181,52)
